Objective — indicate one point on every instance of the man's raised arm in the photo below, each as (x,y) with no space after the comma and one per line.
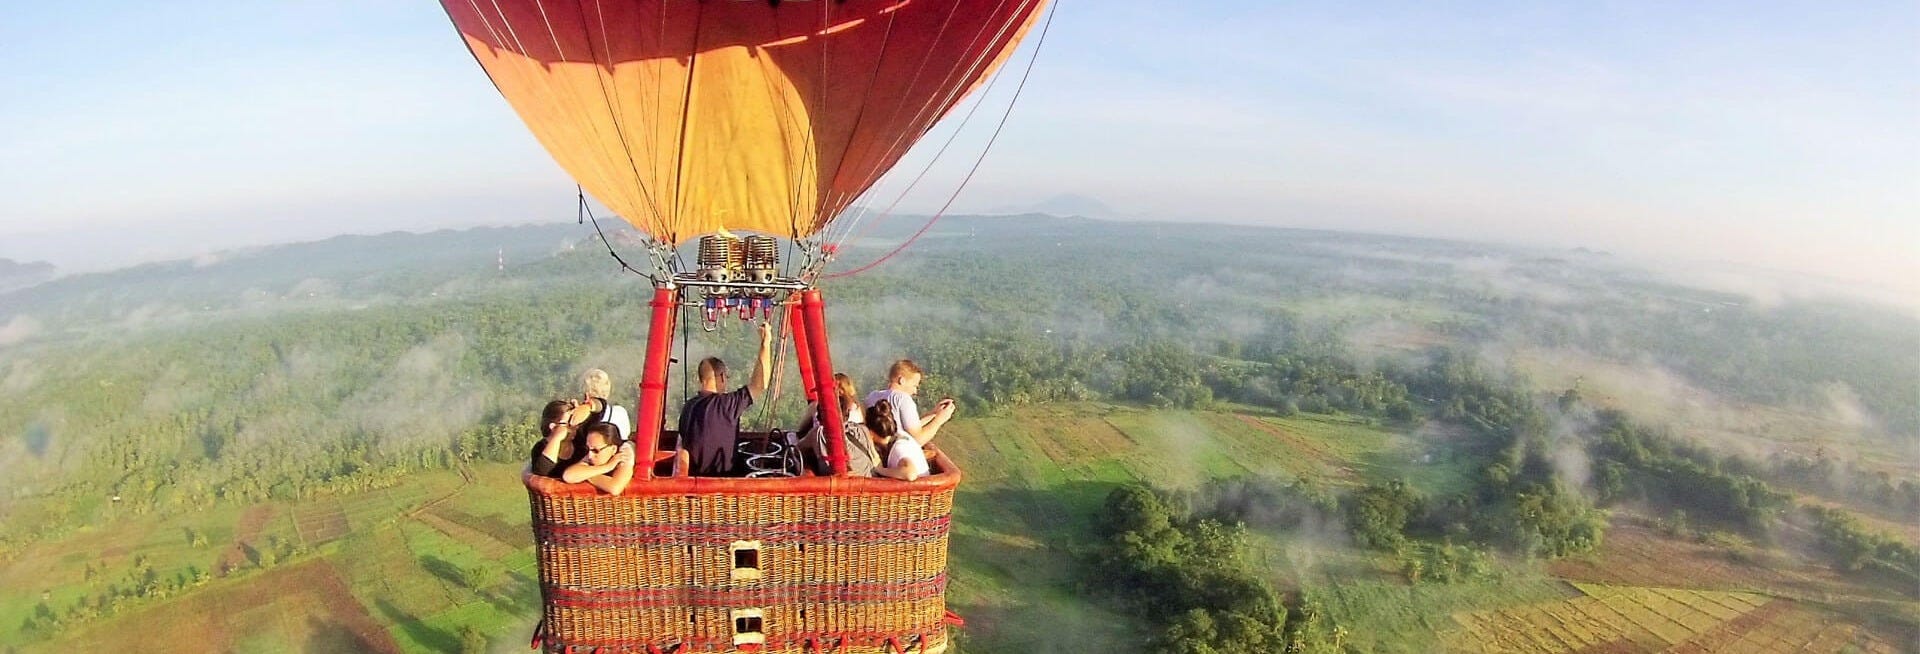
(762,366)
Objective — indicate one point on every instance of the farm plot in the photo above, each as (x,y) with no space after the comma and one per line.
(1394,617)
(248,534)
(1644,619)
(995,448)
(492,526)
(469,530)
(301,607)
(1070,437)
(62,574)
(384,507)
(319,522)
(1179,448)
(1317,448)
(1637,555)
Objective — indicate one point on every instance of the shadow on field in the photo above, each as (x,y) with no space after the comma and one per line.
(1062,515)
(1027,549)
(1033,628)
(450,573)
(438,640)
(329,636)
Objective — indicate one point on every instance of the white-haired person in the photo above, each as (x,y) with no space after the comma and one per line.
(595,388)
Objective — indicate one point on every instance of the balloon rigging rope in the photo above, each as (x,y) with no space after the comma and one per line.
(587,211)
(934,106)
(780,102)
(554,37)
(686,110)
(686,381)
(923,118)
(524,61)
(809,153)
(781,325)
(931,110)
(849,233)
(859,119)
(914,82)
(607,97)
(1040,42)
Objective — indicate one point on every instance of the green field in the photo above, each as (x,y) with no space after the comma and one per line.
(444,561)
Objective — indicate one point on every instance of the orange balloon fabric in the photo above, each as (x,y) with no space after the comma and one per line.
(689,117)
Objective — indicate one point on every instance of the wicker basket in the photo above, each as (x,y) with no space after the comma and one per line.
(798,565)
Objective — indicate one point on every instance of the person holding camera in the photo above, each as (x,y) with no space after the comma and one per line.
(903,380)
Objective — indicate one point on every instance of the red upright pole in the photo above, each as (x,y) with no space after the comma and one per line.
(797,321)
(813,310)
(653,381)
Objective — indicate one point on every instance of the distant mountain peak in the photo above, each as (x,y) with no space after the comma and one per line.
(1064,204)
(16,275)
(11,267)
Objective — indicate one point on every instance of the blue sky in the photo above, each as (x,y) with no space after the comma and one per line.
(1774,134)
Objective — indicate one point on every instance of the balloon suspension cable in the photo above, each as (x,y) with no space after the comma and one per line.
(857,225)
(860,227)
(1038,44)
(686,378)
(780,338)
(815,255)
(586,214)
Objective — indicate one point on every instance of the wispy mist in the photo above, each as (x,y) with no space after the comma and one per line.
(18,329)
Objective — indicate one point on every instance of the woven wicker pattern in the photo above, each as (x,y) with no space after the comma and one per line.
(836,564)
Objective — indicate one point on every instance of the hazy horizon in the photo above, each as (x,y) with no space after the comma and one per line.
(1761,284)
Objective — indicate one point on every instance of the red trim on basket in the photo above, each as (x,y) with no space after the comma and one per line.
(672,534)
(689,644)
(602,598)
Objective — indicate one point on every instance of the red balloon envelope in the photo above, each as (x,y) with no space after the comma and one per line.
(689,117)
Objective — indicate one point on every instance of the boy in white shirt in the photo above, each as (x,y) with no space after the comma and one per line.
(903,380)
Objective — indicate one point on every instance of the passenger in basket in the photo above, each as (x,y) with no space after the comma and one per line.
(710,422)
(903,380)
(560,424)
(596,387)
(608,460)
(863,455)
(906,460)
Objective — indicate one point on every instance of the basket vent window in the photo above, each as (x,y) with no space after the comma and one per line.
(747,625)
(746,560)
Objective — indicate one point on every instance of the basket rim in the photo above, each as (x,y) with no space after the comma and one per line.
(946,477)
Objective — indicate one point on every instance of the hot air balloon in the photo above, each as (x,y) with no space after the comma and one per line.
(739,125)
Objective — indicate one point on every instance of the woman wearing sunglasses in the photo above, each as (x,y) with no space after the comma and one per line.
(608,463)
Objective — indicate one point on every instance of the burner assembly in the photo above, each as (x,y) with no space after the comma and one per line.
(737,276)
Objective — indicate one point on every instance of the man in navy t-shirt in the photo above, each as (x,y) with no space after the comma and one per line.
(710,422)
